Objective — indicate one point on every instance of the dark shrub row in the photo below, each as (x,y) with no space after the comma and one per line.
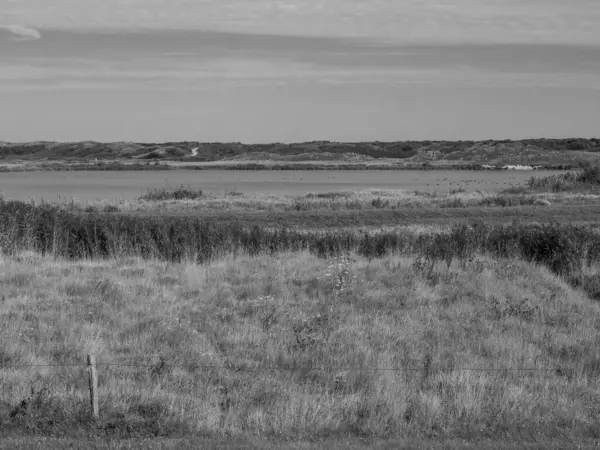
(95,167)
(106,166)
(354,166)
(48,229)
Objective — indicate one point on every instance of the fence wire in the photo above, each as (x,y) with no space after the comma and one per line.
(4,366)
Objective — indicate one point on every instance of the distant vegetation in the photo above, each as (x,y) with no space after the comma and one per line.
(370,166)
(588,178)
(86,166)
(172,193)
(544,152)
(32,166)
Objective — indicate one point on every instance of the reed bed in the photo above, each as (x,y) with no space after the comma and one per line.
(566,249)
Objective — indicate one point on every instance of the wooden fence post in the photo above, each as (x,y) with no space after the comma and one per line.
(93,378)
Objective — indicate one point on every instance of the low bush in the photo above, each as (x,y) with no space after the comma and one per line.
(172,193)
(590,284)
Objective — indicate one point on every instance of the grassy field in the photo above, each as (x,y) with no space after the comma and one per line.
(298,346)
(186,199)
(215,321)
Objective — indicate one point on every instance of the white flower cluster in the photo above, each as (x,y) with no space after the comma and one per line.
(339,270)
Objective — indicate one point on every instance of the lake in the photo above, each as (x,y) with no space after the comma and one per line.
(89,185)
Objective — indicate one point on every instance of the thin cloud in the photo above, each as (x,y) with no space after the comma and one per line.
(474,21)
(23,33)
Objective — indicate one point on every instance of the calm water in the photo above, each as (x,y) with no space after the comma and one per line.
(129,185)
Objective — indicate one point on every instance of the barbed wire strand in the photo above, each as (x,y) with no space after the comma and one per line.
(4,366)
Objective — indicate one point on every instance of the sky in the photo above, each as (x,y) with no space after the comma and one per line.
(298,70)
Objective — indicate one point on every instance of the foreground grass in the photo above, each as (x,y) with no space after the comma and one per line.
(288,346)
(257,444)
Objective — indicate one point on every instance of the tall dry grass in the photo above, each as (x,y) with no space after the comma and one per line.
(565,249)
(289,346)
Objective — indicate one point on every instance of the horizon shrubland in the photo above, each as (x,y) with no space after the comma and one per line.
(537,152)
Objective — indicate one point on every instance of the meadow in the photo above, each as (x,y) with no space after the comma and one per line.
(473,334)
(296,347)
(185,199)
